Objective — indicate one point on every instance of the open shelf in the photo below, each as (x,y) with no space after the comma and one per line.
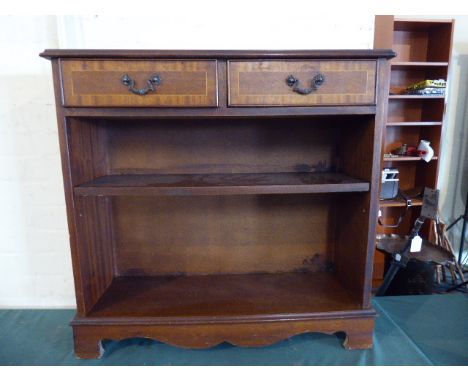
(404,96)
(406,159)
(221,184)
(422,40)
(399,202)
(411,24)
(418,64)
(416,123)
(218,297)
(420,109)
(408,73)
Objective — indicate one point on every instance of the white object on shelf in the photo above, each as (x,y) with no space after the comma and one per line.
(426,146)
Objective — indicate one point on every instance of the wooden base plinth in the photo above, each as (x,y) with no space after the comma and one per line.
(88,333)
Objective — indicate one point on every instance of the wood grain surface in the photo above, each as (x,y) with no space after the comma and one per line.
(263,83)
(221,184)
(200,298)
(184,83)
(223,234)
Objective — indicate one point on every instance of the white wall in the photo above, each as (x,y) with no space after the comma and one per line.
(34,251)
(35,266)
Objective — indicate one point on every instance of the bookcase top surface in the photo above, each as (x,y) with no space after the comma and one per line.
(221,54)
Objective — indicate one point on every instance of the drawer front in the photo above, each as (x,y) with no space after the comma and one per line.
(133,83)
(301,83)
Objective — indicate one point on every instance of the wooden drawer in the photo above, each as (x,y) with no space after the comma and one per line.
(337,82)
(99,83)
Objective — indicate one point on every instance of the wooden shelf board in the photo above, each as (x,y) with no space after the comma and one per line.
(418,24)
(417,64)
(221,184)
(420,123)
(211,297)
(400,202)
(404,96)
(219,112)
(406,159)
(422,20)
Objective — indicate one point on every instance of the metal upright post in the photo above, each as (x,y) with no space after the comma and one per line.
(462,237)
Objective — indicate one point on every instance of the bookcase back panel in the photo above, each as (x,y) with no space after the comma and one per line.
(415,110)
(223,234)
(412,135)
(415,174)
(390,216)
(419,41)
(410,45)
(222,146)
(401,78)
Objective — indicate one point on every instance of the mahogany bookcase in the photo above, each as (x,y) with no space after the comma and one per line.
(221,195)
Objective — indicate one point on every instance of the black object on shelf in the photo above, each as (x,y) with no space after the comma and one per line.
(462,238)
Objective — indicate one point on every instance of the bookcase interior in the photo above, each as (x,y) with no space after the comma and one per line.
(422,41)
(249,215)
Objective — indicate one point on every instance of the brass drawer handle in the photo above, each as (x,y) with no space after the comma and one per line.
(155,80)
(317,81)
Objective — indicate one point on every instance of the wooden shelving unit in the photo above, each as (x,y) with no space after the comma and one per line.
(414,124)
(399,202)
(425,97)
(423,50)
(406,159)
